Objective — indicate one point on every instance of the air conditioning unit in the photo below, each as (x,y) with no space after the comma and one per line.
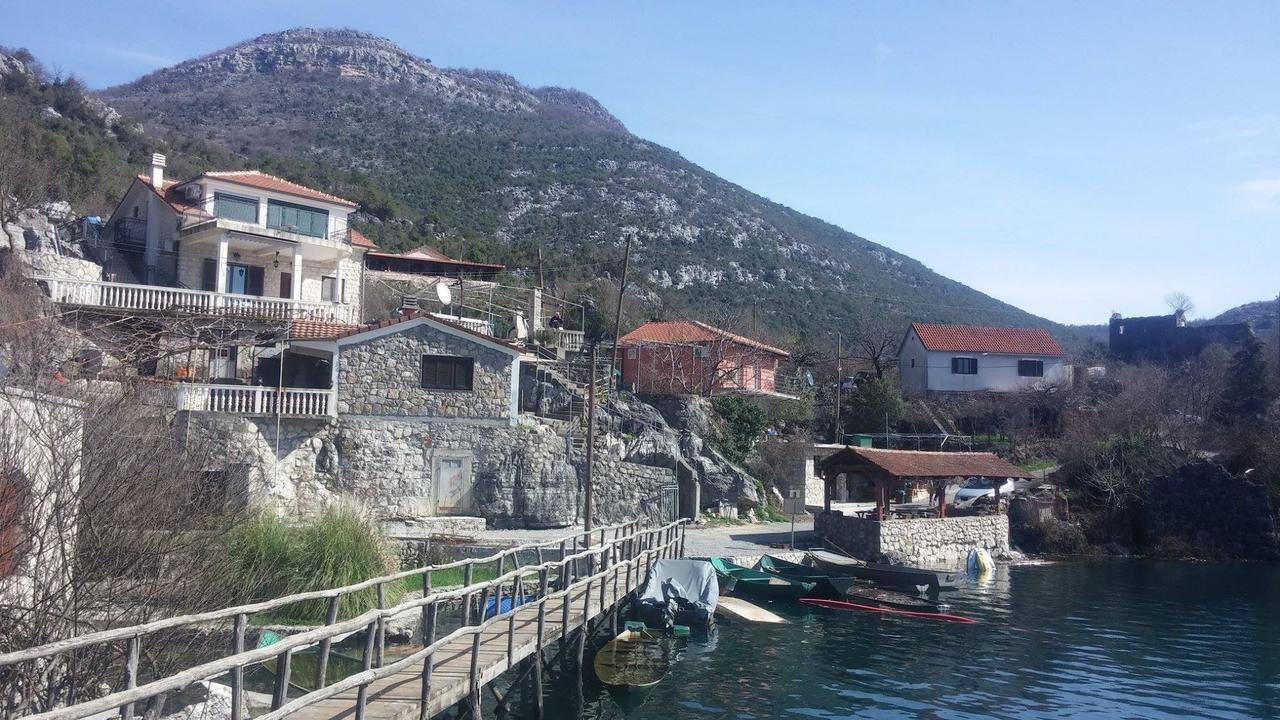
(193,192)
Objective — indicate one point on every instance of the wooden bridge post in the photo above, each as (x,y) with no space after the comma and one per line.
(475,676)
(538,654)
(467,574)
(283,663)
(382,625)
(237,675)
(131,673)
(428,638)
(362,696)
(322,667)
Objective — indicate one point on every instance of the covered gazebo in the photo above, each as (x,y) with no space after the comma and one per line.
(889,469)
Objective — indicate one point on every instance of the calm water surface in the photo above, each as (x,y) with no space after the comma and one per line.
(1113,639)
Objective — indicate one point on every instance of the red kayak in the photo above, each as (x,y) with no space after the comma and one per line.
(843,605)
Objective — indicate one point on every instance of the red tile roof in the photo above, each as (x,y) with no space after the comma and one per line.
(318,330)
(259,179)
(172,198)
(918,464)
(1000,341)
(426,253)
(358,239)
(690,331)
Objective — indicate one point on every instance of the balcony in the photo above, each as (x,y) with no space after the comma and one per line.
(256,400)
(151,298)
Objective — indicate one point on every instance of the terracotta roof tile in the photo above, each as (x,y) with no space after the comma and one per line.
(690,331)
(1001,341)
(259,179)
(918,464)
(317,330)
(358,239)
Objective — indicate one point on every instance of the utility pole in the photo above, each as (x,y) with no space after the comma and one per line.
(839,386)
(541,283)
(617,316)
(591,439)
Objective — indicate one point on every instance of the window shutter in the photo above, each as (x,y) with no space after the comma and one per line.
(209,275)
(274,218)
(255,281)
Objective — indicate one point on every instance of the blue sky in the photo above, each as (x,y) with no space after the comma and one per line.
(1070,158)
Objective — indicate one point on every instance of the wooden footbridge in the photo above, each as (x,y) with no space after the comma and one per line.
(573,586)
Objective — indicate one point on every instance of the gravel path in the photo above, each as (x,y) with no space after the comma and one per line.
(701,541)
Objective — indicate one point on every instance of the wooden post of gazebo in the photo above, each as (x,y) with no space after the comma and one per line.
(940,487)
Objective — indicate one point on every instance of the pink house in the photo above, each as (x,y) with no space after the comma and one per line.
(687,357)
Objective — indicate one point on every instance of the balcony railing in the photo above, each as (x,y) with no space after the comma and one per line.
(567,340)
(255,400)
(124,296)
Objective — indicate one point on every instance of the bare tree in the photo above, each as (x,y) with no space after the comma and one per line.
(1180,303)
(107,513)
(875,339)
(27,179)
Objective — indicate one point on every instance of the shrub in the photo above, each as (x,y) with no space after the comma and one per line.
(1049,537)
(268,558)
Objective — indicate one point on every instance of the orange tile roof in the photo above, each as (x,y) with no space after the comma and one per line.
(318,330)
(690,331)
(975,339)
(259,179)
(923,464)
(359,239)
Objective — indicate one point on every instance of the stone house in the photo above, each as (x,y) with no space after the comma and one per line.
(1168,338)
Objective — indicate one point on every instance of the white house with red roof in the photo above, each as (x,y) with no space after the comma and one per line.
(967,358)
(239,242)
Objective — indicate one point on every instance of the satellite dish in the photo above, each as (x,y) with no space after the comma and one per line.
(444,294)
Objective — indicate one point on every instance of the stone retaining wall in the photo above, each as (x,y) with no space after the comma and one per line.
(937,543)
(624,490)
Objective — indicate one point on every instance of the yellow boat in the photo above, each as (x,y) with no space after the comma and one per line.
(637,658)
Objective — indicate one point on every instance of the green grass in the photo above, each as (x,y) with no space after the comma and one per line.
(267,558)
(452,576)
(1038,465)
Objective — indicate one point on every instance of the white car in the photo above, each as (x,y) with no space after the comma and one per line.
(980,487)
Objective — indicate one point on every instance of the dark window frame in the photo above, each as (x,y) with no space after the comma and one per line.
(964,366)
(449,373)
(1027,363)
(241,201)
(275,220)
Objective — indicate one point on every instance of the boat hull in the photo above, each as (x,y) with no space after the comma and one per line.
(634,660)
(895,575)
(763,585)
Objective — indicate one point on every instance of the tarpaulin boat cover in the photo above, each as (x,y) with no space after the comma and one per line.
(693,581)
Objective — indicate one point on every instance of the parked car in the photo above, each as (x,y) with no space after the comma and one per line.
(981,487)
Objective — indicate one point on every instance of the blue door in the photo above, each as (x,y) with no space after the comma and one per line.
(238,279)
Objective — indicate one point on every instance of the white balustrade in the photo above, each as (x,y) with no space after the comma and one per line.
(255,400)
(124,296)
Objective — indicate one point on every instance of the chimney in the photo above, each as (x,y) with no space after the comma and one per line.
(157,170)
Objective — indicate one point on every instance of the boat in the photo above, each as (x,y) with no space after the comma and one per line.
(898,575)
(828,582)
(845,605)
(761,584)
(637,658)
(679,592)
(843,586)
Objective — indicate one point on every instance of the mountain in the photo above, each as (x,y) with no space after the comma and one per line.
(485,167)
(1262,315)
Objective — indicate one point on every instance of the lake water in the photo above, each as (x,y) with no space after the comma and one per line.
(1105,639)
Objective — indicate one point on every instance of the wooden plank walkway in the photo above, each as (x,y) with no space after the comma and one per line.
(398,697)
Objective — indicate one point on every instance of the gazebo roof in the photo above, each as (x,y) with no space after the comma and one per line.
(919,464)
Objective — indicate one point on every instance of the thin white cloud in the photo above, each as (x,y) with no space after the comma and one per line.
(1234,129)
(1262,194)
(140,57)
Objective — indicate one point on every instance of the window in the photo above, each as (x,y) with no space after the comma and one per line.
(964,366)
(297,218)
(234,207)
(1030,368)
(331,290)
(444,372)
(632,353)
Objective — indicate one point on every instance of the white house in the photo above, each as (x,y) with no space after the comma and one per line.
(966,358)
(237,242)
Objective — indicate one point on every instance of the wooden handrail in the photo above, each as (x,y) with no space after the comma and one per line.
(217,667)
(124,633)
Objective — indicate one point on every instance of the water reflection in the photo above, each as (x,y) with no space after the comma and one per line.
(1087,639)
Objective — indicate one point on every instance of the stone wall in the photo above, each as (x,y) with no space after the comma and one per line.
(936,543)
(382,377)
(624,490)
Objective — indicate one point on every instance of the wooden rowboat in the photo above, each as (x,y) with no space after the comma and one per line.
(898,575)
(761,584)
(844,586)
(637,658)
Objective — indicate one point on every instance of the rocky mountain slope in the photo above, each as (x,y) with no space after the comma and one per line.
(484,166)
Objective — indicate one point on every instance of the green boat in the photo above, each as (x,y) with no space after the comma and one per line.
(837,585)
(747,581)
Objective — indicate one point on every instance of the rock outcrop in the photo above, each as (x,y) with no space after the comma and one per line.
(1204,511)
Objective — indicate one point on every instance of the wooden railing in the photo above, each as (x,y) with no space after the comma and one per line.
(154,298)
(256,400)
(571,570)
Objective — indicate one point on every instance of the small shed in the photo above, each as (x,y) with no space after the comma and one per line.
(888,469)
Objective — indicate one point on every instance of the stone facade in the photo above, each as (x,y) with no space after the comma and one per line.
(934,543)
(381,377)
(624,490)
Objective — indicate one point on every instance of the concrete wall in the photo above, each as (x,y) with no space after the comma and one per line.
(938,543)
(381,377)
